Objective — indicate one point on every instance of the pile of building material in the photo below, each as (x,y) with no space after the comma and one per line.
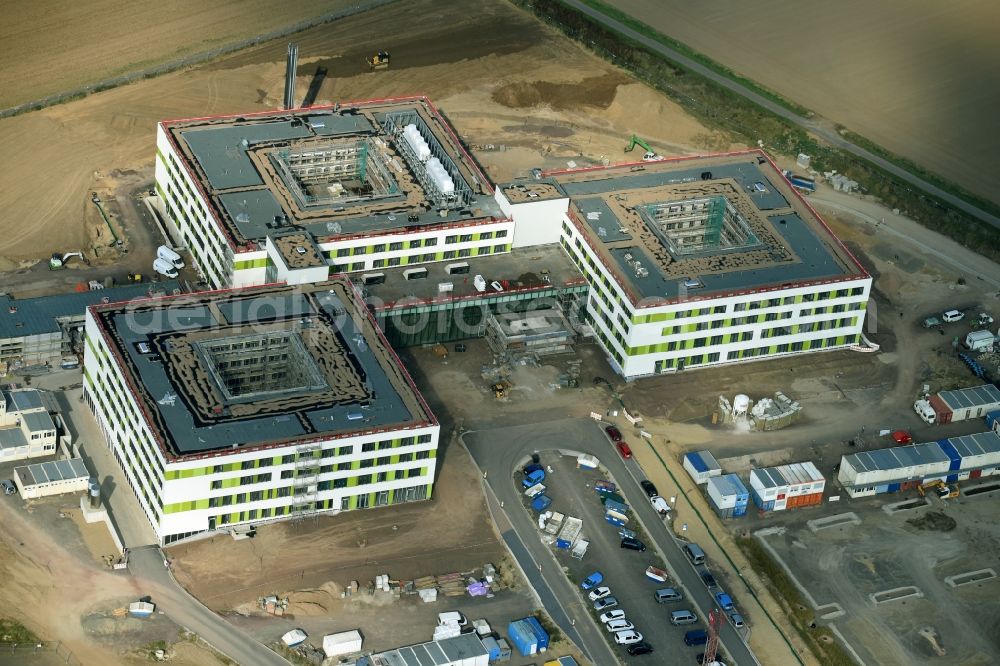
(840,182)
(781,412)
(451,585)
(272,605)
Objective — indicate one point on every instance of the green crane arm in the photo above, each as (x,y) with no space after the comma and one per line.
(636,141)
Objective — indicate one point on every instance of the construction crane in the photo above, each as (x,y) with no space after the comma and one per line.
(712,646)
(379,61)
(649,155)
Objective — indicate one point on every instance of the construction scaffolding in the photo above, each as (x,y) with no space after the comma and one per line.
(336,172)
(697,226)
(540,332)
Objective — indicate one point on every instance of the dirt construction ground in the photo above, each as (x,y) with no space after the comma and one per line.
(920,79)
(503,79)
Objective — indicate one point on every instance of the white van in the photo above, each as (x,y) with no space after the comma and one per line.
(164,268)
(952,316)
(169,256)
(925,411)
(452,617)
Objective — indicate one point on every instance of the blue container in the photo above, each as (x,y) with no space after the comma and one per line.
(540,633)
(522,637)
(952,478)
(992,418)
(492,647)
(614,521)
(615,506)
(884,488)
(893,488)
(739,510)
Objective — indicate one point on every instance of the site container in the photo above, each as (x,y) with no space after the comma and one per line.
(522,637)
(615,506)
(702,466)
(942,412)
(787,486)
(968,403)
(980,451)
(540,633)
(493,647)
(727,495)
(604,487)
(993,420)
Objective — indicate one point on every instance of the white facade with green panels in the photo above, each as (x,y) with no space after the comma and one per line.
(186,495)
(188,212)
(643,341)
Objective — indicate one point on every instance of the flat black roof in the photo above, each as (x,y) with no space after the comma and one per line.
(795,245)
(232,158)
(364,386)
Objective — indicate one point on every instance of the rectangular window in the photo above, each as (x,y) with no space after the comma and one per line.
(379,247)
(430,242)
(395,246)
(502,233)
(465,238)
(367,446)
(450,239)
(344,252)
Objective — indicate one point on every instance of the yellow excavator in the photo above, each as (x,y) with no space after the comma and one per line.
(379,61)
(941,489)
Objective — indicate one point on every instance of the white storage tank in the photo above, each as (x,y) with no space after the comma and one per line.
(417,142)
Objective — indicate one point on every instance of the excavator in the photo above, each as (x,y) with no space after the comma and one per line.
(379,61)
(58,261)
(649,156)
(943,490)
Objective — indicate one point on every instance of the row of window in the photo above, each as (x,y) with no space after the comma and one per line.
(396,246)
(331,484)
(737,354)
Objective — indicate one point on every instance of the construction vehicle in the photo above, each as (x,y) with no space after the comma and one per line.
(649,155)
(58,261)
(500,390)
(942,489)
(379,61)
(135,277)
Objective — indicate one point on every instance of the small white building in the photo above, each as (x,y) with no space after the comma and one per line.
(342,643)
(702,466)
(787,486)
(26,429)
(54,477)
(967,403)
(982,340)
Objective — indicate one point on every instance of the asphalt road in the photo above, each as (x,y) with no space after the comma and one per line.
(500,452)
(823,130)
(146,565)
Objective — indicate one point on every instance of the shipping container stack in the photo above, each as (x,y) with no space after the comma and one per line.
(906,467)
(787,486)
(728,496)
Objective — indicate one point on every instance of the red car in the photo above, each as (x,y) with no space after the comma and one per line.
(902,437)
(613,433)
(624,450)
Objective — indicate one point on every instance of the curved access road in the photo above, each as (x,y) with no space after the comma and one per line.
(146,564)
(820,129)
(499,452)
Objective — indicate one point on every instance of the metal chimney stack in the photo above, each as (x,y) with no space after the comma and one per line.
(94,490)
(293,63)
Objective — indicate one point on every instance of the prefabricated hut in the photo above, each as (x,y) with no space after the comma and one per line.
(786,486)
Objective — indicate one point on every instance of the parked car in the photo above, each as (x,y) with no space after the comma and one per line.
(667,594)
(696,637)
(8,487)
(599,593)
(952,316)
(725,601)
(605,603)
(633,544)
(592,581)
(709,580)
(532,467)
(902,437)
(736,619)
(682,617)
(659,505)
(614,433)
(700,659)
(628,637)
(639,648)
(619,625)
(613,615)
(648,488)
(624,449)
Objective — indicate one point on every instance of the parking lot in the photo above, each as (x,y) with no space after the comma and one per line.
(572,493)
(917,586)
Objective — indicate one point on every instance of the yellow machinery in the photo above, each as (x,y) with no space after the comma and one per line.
(379,61)
(941,489)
